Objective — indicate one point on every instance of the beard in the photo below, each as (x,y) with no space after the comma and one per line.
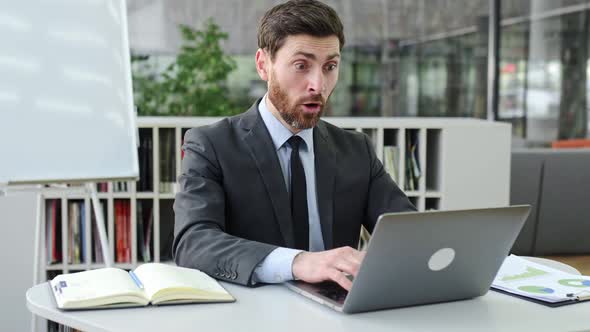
(293,113)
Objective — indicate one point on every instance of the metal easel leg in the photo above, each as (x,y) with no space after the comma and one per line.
(99,218)
(37,255)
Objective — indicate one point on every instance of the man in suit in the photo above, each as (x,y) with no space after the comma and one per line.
(276,194)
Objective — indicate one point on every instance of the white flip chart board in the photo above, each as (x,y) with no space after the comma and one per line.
(66,103)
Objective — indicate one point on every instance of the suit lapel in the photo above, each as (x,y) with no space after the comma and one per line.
(263,152)
(325,169)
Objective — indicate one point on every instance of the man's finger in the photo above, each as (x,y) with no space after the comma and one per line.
(359,255)
(340,279)
(348,265)
(352,254)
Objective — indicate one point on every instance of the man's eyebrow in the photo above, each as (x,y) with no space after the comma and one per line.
(313,56)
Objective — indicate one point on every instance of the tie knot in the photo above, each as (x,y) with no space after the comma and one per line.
(294,142)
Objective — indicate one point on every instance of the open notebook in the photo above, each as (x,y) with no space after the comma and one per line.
(151,283)
(540,283)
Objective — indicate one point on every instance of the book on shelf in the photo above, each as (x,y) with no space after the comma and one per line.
(413,170)
(150,283)
(167,160)
(102,187)
(166,229)
(96,247)
(82,222)
(122,231)
(145,152)
(49,233)
(120,187)
(76,228)
(147,248)
(53,231)
(391,161)
(71,231)
(539,283)
(140,232)
(144,224)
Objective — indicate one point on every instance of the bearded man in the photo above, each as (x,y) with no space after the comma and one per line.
(275,193)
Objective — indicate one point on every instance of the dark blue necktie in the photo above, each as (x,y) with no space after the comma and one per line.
(298,197)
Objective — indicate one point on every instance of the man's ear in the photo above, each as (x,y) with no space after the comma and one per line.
(262,64)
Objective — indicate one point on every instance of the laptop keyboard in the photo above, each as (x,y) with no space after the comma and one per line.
(333,291)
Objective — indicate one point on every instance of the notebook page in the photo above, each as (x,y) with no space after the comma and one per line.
(157,276)
(94,284)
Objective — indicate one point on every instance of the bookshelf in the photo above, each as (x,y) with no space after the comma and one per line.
(461,163)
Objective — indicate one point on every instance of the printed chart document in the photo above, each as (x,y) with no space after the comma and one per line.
(151,283)
(540,283)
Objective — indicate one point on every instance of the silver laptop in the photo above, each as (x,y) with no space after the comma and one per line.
(425,257)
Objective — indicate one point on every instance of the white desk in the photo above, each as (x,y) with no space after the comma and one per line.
(275,308)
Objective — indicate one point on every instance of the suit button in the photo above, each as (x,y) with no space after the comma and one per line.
(234,275)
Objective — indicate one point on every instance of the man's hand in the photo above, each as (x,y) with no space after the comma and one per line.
(328,265)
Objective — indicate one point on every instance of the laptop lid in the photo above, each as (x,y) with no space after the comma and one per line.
(436,256)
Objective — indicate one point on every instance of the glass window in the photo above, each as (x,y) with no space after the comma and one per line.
(402,58)
(543,65)
(429,60)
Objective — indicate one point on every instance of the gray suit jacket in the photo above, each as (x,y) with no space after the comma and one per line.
(233,208)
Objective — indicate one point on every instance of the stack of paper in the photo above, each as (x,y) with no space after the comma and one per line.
(535,281)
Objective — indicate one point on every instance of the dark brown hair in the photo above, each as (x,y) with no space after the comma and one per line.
(309,17)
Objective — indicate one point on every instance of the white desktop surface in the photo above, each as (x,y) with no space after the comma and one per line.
(275,308)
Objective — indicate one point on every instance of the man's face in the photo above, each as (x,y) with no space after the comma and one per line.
(301,78)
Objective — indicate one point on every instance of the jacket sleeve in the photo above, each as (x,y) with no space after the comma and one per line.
(384,194)
(200,240)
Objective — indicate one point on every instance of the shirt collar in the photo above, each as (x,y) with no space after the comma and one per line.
(278,132)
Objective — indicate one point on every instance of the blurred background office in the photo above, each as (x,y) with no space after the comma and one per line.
(523,62)
(519,61)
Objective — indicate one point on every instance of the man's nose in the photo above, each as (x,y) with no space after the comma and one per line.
(316,82)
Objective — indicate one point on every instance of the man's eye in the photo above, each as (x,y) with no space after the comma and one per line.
(299,66)
(331,67)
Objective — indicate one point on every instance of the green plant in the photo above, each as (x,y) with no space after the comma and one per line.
(193,84)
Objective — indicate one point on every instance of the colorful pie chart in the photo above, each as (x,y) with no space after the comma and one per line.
(580,283)
(536,289)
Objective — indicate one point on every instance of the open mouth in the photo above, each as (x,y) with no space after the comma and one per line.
(312,107)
